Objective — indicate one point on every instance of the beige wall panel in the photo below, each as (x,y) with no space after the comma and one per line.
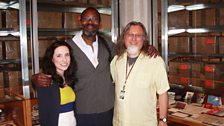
(49,19)
(179,45)
(135,10)
(176,21)
(12,19)
(12,50)
(202,45)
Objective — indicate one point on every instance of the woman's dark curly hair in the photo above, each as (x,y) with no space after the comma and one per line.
(49,66)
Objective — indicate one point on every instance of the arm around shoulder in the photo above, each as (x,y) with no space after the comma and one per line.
(41,80)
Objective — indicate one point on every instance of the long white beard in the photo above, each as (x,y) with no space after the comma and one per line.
(132,50)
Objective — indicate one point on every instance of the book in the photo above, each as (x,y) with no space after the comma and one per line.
(214,100)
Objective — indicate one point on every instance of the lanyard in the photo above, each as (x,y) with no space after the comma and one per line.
(128,72)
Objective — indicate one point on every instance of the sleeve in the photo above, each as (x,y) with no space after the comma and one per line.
(113,67)
(48,103)
(162,83)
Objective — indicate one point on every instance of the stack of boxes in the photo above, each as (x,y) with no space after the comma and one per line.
(10,46)
(197,59)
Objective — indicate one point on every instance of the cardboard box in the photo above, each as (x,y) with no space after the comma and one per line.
(43,44)
(182,69)
(203,18)
(185,81)
(106,22)
(175,21)
(204,45)
(71,20)
(221,12)
(214,72)
(49,19)
(12,49)
(221,45)
(12,19)
(197,70)
(179,45)
(15,79)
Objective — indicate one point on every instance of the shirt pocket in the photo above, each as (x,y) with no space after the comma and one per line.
(142,80)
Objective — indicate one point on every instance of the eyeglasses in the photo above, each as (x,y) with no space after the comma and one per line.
(136,36)
(87,18)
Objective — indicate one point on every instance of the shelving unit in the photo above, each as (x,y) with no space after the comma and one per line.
(27,27)
(192,37)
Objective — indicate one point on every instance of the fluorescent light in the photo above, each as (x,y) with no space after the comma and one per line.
(3,5)
(15,33)
(196,7)
(14,4)
(11,4)
(6,33)
(175,31)
(173,8)
(197,30)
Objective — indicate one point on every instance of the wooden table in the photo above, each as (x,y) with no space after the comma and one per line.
(185,121)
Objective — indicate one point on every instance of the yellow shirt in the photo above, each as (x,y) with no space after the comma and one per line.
(147,78)
(67,95)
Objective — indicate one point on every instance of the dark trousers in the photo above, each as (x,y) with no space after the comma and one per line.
(97,119)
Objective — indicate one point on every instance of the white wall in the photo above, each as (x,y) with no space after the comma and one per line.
(135,10)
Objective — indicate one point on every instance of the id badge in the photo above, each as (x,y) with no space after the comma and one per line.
(122,94)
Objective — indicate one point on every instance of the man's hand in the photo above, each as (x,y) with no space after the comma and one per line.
(152,51)
(41,80)
(162,124)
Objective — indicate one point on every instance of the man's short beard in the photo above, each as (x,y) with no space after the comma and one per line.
(90,34)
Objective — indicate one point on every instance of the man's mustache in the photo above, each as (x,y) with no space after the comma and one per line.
(87,25)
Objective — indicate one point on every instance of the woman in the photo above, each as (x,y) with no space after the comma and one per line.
(56,102)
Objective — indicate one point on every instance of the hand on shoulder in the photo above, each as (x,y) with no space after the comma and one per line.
(41,80)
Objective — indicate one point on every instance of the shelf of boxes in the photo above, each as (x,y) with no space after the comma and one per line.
(193,45)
